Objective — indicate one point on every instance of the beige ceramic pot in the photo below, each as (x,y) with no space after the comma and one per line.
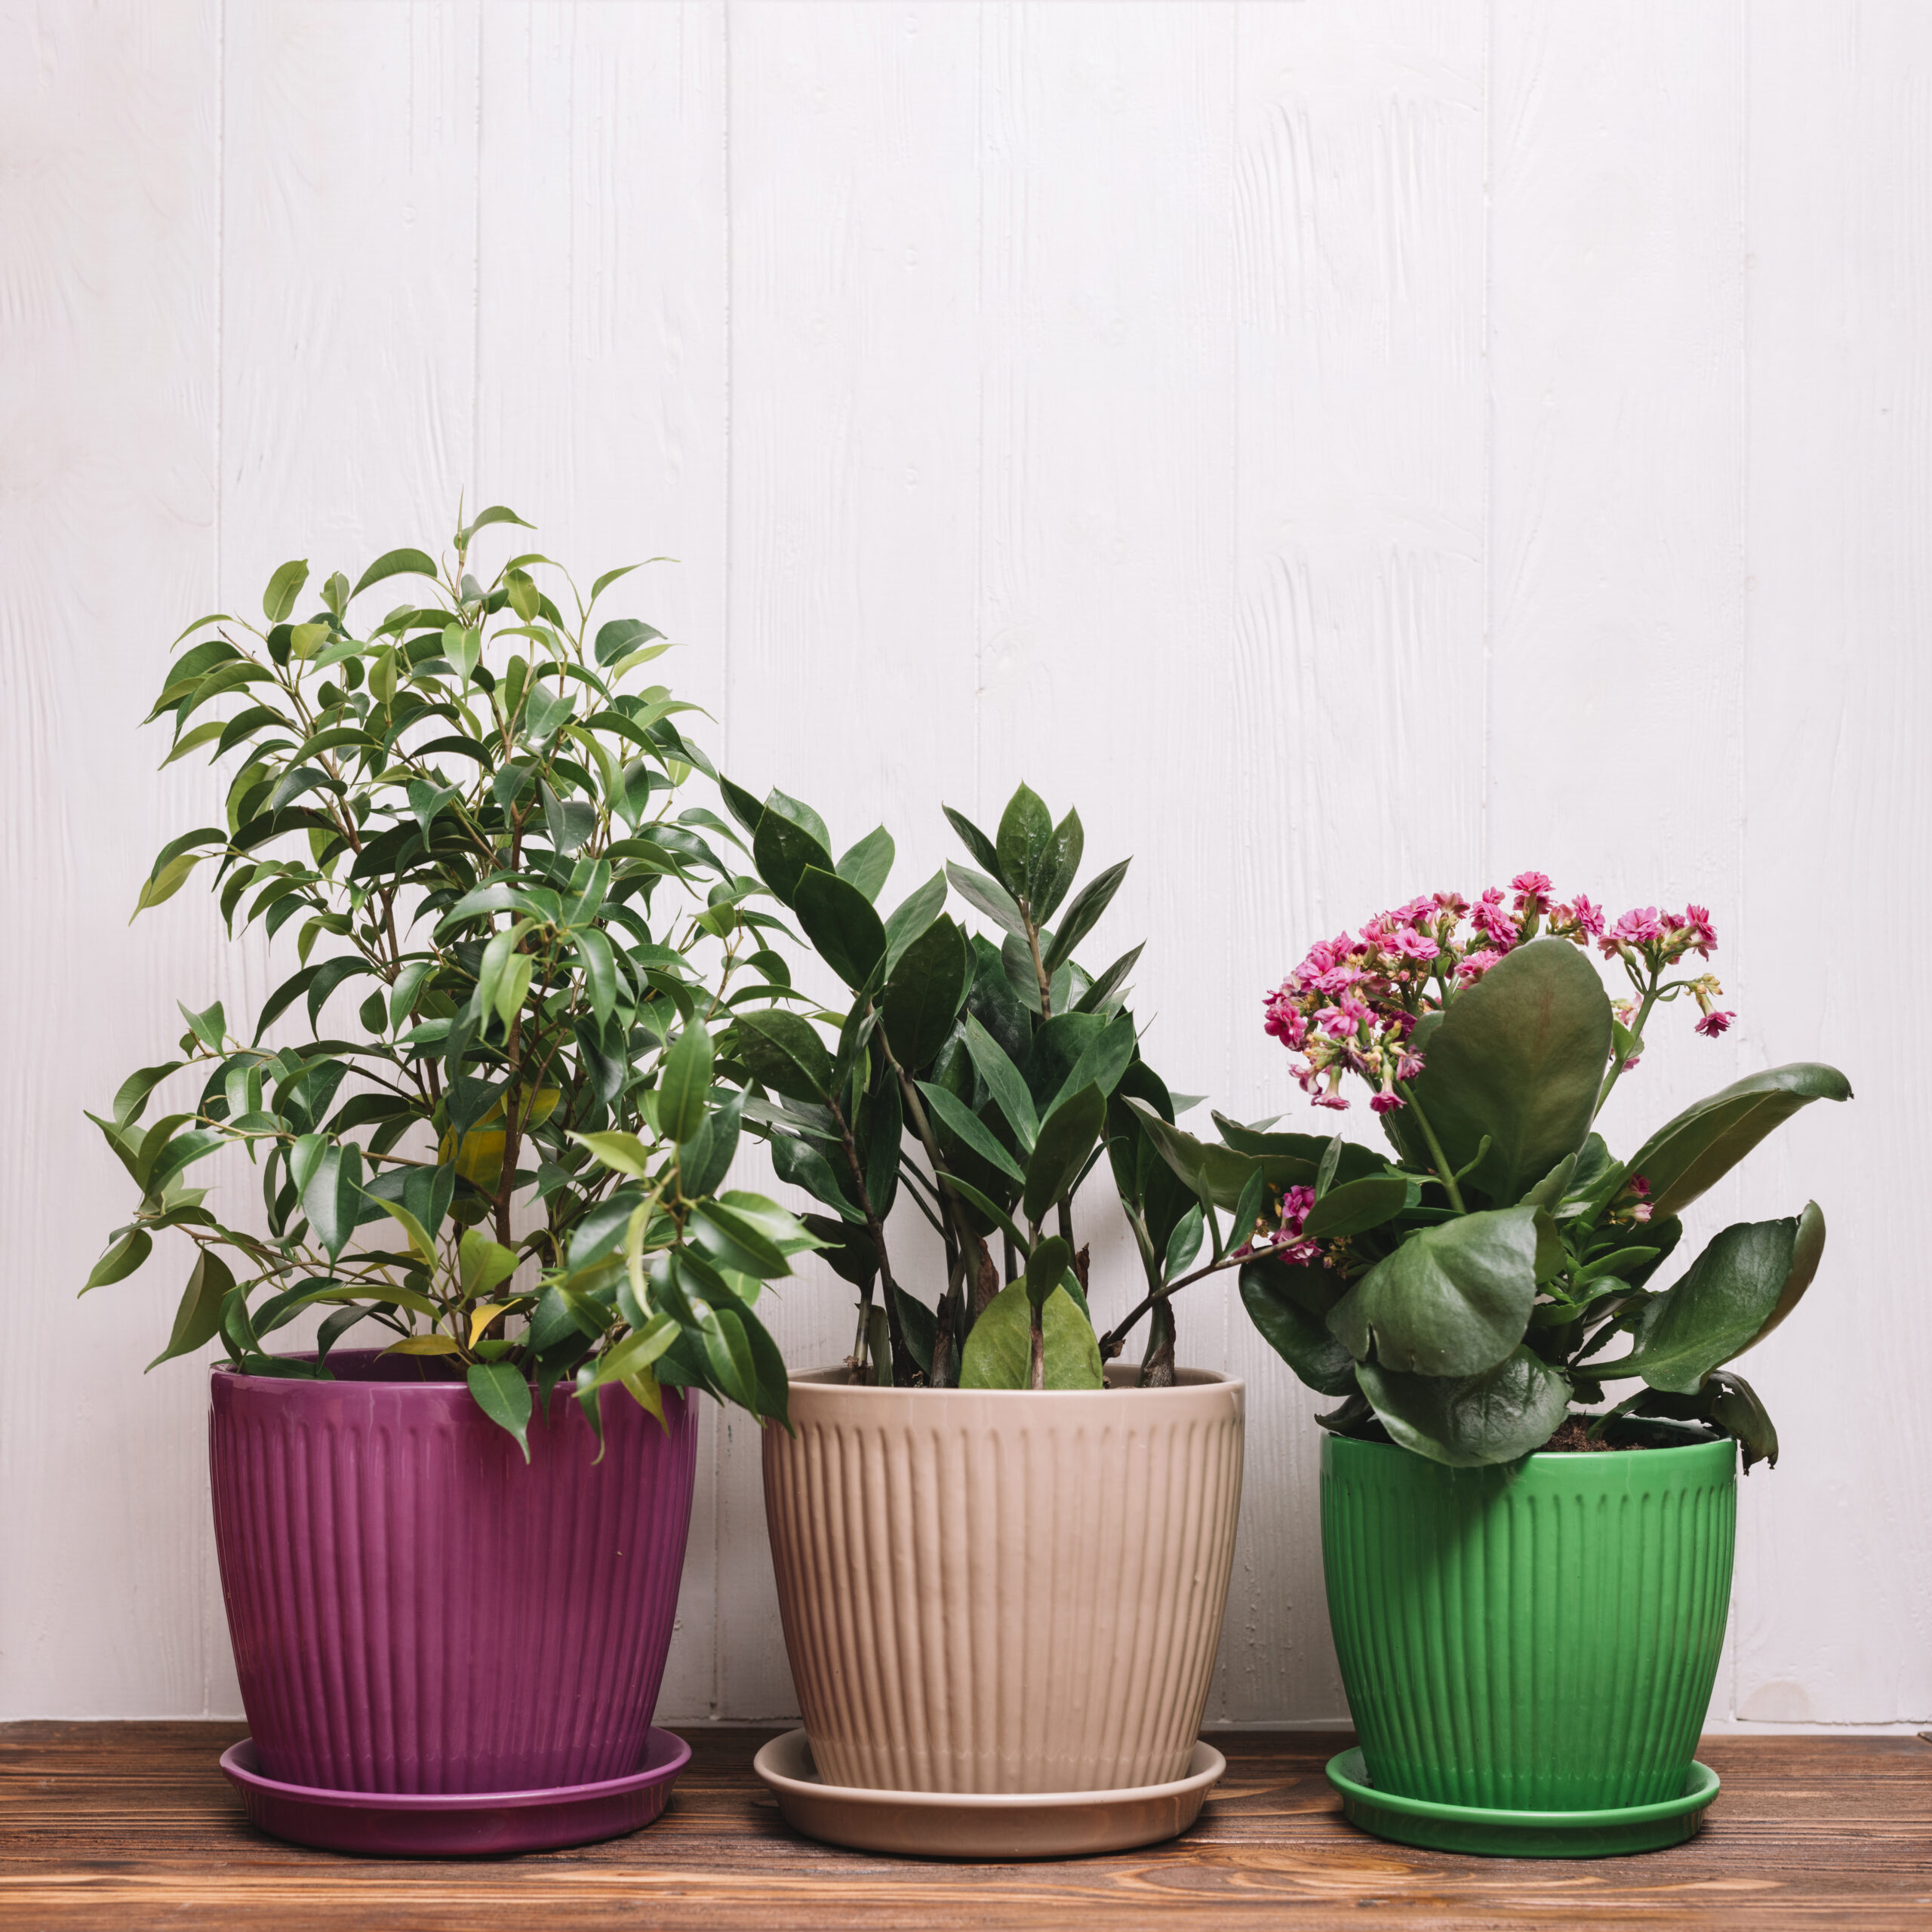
(990,1590)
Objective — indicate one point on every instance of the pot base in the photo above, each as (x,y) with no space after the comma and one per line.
(1498,1834)
(994,1826)
(383,1824)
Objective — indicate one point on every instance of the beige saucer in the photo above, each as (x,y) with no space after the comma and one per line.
(996,1826)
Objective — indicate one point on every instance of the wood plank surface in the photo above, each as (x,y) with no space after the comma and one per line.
(116,1825)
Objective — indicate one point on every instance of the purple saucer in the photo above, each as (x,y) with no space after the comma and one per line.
(382,1824)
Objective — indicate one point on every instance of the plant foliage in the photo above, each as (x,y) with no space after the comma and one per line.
(468,810)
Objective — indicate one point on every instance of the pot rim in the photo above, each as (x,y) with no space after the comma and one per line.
(1543,1458)
(1189,1382)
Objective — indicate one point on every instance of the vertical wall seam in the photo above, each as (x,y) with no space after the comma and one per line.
(729,484)
(979,423)
(476,277)
(1488,409)
(1740,834)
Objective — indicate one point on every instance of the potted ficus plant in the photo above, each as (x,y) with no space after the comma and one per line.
(1528,1631)
(451,1561)
(998,1574)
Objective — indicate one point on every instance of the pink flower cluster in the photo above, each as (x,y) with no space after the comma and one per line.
(1285,1242)
(1352,1004)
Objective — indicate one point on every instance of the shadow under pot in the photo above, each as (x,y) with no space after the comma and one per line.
(1528,1649)
(1004,1591)
(415,1610)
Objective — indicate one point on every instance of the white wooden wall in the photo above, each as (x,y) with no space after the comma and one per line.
(1349,448)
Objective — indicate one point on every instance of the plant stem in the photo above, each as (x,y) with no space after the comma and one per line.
(903,1366)
(1443,1172)
(1110,1344)
(1617,1066)
(1039,970)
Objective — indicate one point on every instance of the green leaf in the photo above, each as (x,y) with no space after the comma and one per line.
(783,1052)
(990,1208)
(1703,1143)
(485,1264)
(122,1259)
(1024,840)
(1083,915)
(1737,1291)
(1067,1137)
(789,837)
(984,851)
(1059,867)
(1102,1061)
(869,864)
(1046,1268)
(999,1351)
(625,1153)
(395,563)
(923,997)
(1005,1082)
(1109,984)
(1211,1172)
(839,921)
(420,1245)
(963,1124)
(503,1395)
(1520,1057)
(1453,1299)
(685,1084)
(801,1164)
(167,882)
(734,1241)
(621,636)
(496,513)
(284,588)
(989,896)
(910,918)
(1290,1307)
(132,1095)
(1509,1410)
(1183,1243)
(198,1319)
(333,1199)
(1355,1206)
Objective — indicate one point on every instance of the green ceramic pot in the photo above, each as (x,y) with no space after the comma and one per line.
(1539,1637)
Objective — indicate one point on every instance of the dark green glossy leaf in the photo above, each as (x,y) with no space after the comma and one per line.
(784,1052)
(960,1121)
(1024,841)
(1744,1283)
(1290,1307)
(1059,867)
(1453,1299)
(801,1164)
(1005,1082)
(684,1083)
(1509,1410)
(1703,1143)
(911,917)
(1083,915)
(1067,1137)
(869,864)
(122,1259)
(989,896)
(985,853)
(840,921)
(1355,1206)
(924,993)
(1046,1267)
(1519,1057)
(783,849)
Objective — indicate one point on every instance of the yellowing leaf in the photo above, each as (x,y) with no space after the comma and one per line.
(423,1345)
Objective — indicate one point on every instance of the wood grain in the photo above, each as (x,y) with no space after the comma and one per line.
(114,1825)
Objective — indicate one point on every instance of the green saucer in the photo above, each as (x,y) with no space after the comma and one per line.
(1474,1827)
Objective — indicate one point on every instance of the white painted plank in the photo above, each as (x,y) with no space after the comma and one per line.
(109,240)
(1617,326)
(1836,1554)
(854,452)
(1355,720)
(602,365)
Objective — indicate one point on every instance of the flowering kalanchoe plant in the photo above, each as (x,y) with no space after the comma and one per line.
(1462,1298)
(476,819)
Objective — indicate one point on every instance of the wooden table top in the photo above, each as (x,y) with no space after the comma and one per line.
(127,1825)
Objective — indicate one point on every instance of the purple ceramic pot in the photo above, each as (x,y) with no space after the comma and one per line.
(415,1610)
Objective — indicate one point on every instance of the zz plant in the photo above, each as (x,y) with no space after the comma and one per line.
(987,1079)
(469,809)
(1466,1299)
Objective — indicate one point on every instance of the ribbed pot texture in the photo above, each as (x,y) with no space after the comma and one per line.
(1003,1591)
(414,1609)
(1538,1637)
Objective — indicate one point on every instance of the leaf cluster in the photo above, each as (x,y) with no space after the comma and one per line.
(470,809)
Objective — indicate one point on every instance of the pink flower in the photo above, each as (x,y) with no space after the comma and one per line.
(1410,944)
(1451,902)
(1638,927)
(1385,1103)
(1695,929)
(1494,925)
(1475,965)
(1334,1100)
(1532,891)
(1713,1023)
